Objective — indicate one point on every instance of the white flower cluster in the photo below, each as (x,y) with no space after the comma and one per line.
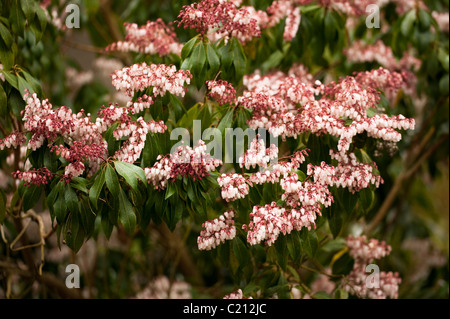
(257,154)
(234,186)
(364,252)
(216,231)
(160,77)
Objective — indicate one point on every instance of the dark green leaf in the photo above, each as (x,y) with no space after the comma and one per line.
(407,23)
(171,189)
(28,9)
(3,101)
(112,182)
(240,251)
(31,196)
(226,121)
(127,217)
(71,199)
(96,188)
(6,35)
(213,59)
(73,232)
(2,206)
(187,48)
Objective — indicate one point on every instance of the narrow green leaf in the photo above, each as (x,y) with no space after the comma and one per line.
(187,48)
(31,196)
(213,59)
(112,182)
(240,251)
(28,9)
(3,102)
(226,121)
(96,188)
(6,35)
(71,199)
(127,217)
(73,233)
(2,206)
(408,22)
(171,189)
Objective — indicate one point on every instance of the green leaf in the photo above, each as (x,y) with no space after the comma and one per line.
(96,188)
(31,196)
(424,19)
(131,173)
(17,18)
(60,209)
(171,189)
(112,182)
(2,206)
(240,252)
(310,242)
(80,183)
(187,48)
(443,85)
(28,9)
(321,295)
(340,294)
(6,35)
(226,121)
(74,233)
(127,217)
(213,59)
(294,245)
(407,23)
(42,17)
(11,79)
(24,85)
(71,199)
(3,102)
(343,265)
(198,59)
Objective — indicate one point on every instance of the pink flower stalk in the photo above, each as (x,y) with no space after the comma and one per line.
(185,161)
(155,37)
(220,16)
(39,176)
(161,78)
(364,252)
(216,231)
(222,91)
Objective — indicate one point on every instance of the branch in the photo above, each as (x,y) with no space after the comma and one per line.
(405,175)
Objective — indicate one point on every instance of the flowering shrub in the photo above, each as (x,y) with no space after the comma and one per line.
(345,125)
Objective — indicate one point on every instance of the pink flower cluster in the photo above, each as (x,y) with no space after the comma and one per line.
(222,91)
(220,16)
(235,186)
(287,106)
(280,9)
(185,161)
(364,252)
(216,231)
(257,154)
(160,77)
(155,37)
(12,140)
(222,19)
(40,176)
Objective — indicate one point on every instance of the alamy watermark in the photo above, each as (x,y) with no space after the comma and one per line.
(73,17)
(373,19)
(73,277)
(373,279)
